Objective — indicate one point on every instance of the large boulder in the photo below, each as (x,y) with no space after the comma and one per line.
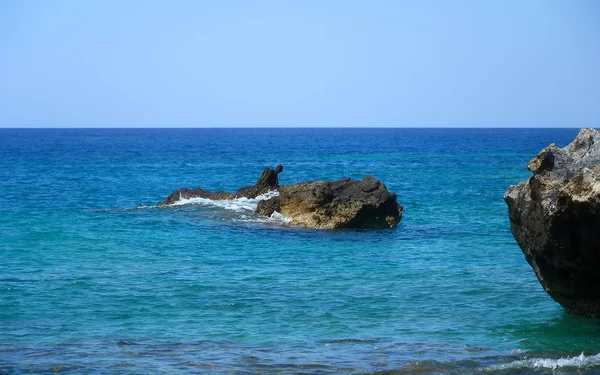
(343,203)
(555,218)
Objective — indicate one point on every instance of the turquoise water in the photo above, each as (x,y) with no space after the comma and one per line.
(91,284)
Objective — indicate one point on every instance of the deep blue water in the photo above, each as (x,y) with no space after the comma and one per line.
(91,284)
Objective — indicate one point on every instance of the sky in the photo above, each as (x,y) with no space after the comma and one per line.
(305,63)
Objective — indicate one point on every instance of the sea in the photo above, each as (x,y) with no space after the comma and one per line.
(92,283)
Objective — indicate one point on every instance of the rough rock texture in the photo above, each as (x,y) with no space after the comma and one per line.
(555,218)
(343,203)
(268,180)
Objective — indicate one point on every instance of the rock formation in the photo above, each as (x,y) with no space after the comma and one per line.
(267,181)
(555,218)
(344,203)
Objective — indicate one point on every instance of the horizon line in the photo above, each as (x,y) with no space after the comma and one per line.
(291,127)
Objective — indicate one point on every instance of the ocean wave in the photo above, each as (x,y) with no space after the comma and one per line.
(244,206)
(277,217)
(237,204)
(581,361)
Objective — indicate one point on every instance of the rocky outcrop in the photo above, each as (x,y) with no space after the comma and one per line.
(343,203)
(267,181)
(186,193)
(555,218)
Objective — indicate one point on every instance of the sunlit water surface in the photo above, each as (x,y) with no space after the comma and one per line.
(89,283)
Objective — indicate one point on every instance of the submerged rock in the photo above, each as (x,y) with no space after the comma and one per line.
(344,203)
(555,218)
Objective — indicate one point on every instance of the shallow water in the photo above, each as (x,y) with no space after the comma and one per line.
(91,284)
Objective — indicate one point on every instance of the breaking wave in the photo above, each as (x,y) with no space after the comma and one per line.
(579,362)
(244,206)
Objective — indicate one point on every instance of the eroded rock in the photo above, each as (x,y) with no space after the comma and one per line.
(555,218)
(343,203)
(267,181)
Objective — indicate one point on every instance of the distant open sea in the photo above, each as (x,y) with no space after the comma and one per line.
(91,284)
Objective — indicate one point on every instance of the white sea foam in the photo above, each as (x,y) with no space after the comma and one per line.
(581,361)
(237,204)
(244,206)
(276,216)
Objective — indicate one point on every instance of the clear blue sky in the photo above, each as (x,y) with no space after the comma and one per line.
(365,63)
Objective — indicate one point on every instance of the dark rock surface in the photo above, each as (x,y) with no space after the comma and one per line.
(267,181)
(343,203)
(268,206)
(555,218)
